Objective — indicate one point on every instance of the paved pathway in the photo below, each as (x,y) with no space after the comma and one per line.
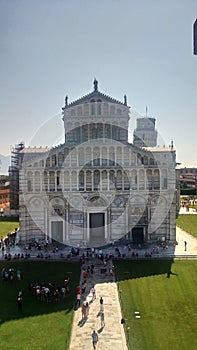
(184,211)
(181,237)
(112,336)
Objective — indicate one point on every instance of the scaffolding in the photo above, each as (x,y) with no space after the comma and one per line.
(16,161)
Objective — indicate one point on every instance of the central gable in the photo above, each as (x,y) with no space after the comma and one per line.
(94,96)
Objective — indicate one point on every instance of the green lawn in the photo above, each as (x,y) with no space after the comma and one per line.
(165,295)
(7,225)
(193,206)
(188,222)
(41,325)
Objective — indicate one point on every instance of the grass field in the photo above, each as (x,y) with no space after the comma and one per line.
(41,325)
(7,225)
(165,295)
(188,223)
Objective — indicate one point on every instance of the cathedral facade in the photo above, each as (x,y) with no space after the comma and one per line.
(97,187)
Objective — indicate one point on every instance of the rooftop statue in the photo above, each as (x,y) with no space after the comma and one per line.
(95,85)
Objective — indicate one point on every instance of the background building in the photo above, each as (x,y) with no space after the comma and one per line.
(97,187)
(145,134)
(188,180)
(4,196)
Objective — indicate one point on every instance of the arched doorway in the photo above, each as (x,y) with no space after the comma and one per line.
(97,228)
(138,235)
(97,221)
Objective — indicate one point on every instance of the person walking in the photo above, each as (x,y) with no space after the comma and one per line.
(20,302)
(185,245)
(18,275)
(92,269)
(93,293)
(94,339)
(83,310)
(79,290)
(78,300)
(87,309)
(83,287)
(101,305)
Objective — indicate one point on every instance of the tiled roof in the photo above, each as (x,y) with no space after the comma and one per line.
(35,149)
(159,149)
(188,166)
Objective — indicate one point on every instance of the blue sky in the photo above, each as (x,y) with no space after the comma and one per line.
(141,48)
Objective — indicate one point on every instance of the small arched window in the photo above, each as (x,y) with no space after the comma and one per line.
(92,107)
(112,110)
(81,181)
(99,107)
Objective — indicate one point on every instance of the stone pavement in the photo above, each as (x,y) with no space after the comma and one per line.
(112,336)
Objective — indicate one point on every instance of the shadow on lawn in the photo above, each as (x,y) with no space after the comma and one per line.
(40,272)
(57,272)
(129,269)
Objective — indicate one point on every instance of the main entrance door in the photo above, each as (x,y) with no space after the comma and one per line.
(138,235)
(97,229)
(57,231)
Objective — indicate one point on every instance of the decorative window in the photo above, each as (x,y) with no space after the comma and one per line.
(141,179)
(99,107)
(74,180)
(111,156)
(56,210)
(58,181)
(79,111)
(29,186)
(92,107)
(81,157)
(112,110)
(81,181)
(134,180)
(164,179)
(37,181)
(96,179)
(88,181)
(156,179)
(119,180)
(149,180)
(52,181)
(29,181)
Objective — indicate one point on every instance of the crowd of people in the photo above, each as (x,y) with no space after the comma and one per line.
(53,250)
(49,291)
(9,240)
(10,274)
